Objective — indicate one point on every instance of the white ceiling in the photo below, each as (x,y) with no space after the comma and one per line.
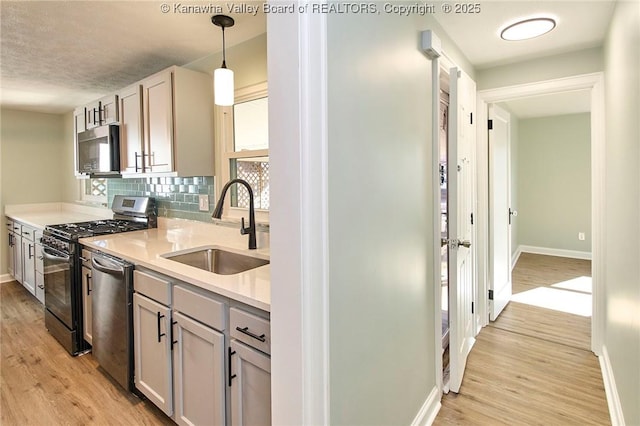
(580,24)
(56,55)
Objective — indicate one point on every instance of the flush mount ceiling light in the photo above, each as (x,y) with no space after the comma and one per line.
(223,76)
(529,28)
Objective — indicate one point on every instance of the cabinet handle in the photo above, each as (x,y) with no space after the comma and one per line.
(173,342)
(160,316)
(31,254)
(250,334)
(88,284)
(230,354)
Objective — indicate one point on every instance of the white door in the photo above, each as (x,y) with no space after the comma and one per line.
(499,212)
(461,195)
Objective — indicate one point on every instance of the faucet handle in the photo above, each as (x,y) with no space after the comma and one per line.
(243,230)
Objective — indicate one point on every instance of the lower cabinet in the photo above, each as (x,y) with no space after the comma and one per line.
(189,363)
(198,366)
(250,374)
(152,351)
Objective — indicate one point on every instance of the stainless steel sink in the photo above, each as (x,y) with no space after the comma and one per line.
(218,261)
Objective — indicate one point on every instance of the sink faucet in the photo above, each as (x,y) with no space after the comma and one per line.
(251,230)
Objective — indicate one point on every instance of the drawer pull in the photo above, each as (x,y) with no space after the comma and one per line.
(250,334)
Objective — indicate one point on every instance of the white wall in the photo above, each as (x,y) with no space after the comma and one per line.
(622,229)
(557,66)
(380,219)
(379,287)
(32,147)
(554,182)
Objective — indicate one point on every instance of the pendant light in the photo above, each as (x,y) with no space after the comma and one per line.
(223,76)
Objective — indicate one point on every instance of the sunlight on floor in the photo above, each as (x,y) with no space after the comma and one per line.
(572,296)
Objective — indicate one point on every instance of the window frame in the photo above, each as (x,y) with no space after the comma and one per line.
(226,151)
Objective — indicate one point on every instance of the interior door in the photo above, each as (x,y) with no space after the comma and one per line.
(499,212)
(461,194)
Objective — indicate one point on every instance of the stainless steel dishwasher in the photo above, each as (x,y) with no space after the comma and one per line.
(112,317)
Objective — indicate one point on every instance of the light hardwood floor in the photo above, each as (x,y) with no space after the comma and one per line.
(533,366)
(41,384)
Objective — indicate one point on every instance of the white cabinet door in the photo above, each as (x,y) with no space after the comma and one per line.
(17,252)
(10,250)
(109,110)
(250,382)
(152,351)
(39,272)
(92,115)
(157,94)
(131,129)
(86,305)
(29,265)
(199,380)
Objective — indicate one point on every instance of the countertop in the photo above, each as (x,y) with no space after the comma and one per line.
(43,214)
(145,248)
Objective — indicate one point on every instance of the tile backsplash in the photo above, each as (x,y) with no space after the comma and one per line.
(176,197)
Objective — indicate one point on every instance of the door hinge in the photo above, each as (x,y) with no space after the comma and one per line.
(490,294)
(472,218)
(490,124)
(472,308)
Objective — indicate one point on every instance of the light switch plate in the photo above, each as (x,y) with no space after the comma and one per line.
(203,201)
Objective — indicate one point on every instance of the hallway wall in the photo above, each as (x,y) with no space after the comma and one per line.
(554,182)
(622,228)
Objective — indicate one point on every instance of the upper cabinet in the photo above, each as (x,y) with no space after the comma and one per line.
(165,120)
(166,124)
(101,112)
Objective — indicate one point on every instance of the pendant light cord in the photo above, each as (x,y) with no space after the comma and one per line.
(224,58)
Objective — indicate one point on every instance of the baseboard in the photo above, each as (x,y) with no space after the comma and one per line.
(515,256)
(613,400)
(574,254)
(429,409)
(5,278)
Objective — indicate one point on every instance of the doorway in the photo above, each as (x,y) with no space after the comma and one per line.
(594,83)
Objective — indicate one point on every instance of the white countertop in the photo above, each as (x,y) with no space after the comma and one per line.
(43,214)
(144,248)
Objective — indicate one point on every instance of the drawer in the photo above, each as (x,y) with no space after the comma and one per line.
(250,329)
(28,232)
(152,286)
(199,307)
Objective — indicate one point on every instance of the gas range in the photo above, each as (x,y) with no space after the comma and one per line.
(129,214)
(63,263)
(74,231)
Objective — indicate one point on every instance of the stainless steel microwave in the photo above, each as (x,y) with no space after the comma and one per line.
(99,151)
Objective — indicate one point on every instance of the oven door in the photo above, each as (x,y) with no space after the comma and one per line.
(59,275)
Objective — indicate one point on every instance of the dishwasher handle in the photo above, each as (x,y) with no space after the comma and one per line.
(107,266)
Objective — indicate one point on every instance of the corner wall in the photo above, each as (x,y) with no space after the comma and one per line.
(622,200)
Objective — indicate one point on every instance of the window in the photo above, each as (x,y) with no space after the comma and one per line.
(246,151)
(93,190)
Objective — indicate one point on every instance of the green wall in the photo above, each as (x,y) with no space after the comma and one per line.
(554,182)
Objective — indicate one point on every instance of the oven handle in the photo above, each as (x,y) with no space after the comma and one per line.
(48,254)
(111,268)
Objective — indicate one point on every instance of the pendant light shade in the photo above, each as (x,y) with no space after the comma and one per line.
(223,84)
(223,87)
